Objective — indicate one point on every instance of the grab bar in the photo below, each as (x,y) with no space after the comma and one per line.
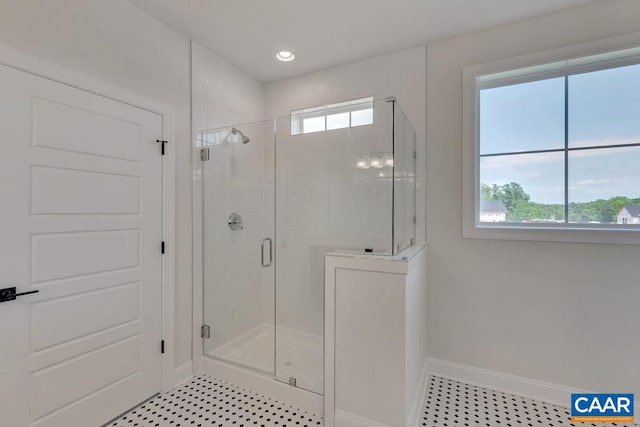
(266,239)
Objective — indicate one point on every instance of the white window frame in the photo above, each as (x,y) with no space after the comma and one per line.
(298,116)
(586,57)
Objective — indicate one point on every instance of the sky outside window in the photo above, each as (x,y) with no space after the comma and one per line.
(603,109)
(522,117)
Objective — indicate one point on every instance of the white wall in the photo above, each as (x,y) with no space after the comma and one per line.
(557,312)
(223,94)
(120,44)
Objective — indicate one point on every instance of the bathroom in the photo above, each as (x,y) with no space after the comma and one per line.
(308,224)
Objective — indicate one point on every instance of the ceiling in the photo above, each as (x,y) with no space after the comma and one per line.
(326,33)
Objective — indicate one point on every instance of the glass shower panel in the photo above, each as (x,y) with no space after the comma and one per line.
(238,223)
(334,192)
(404,183)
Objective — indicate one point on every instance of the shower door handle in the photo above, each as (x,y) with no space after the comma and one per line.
(265,240)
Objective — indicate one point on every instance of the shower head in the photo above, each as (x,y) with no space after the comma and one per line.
(236,131)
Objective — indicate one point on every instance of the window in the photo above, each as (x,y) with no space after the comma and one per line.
(358,112)
(558,145)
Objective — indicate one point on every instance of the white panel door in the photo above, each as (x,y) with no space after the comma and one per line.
(80,221)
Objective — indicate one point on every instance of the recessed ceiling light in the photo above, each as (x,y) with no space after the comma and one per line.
(285,56)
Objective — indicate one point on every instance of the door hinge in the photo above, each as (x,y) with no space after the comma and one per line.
(162,346)
(205,331)
(204,154)
(415,154)
(162,247)
(162,145)
(414,219)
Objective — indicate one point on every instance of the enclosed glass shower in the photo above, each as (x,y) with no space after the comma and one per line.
(275,201)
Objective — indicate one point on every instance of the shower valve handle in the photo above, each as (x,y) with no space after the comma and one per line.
(235,222)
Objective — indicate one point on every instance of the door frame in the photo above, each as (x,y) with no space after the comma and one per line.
(28,63)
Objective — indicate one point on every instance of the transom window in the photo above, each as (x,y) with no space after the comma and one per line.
(358,112)
(558,145)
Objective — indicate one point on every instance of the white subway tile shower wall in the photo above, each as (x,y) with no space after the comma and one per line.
(325,202)
(400,74)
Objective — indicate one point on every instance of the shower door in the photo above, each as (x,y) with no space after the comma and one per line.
(238,247)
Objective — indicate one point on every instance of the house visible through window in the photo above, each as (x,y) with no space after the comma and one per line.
(358,112)
(560,147)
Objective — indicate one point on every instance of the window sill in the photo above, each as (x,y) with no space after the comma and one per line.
(624,235)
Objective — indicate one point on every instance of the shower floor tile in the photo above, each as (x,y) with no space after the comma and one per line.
(450,404)
(208,402)
(299,355)
(255,349)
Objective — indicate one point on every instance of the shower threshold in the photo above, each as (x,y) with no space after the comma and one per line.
(297,355)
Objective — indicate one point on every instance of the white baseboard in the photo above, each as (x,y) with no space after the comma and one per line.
(415,412)
(347,419)
(547,392)
(182,373)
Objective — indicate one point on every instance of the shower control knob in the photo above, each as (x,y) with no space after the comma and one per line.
(235,222)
